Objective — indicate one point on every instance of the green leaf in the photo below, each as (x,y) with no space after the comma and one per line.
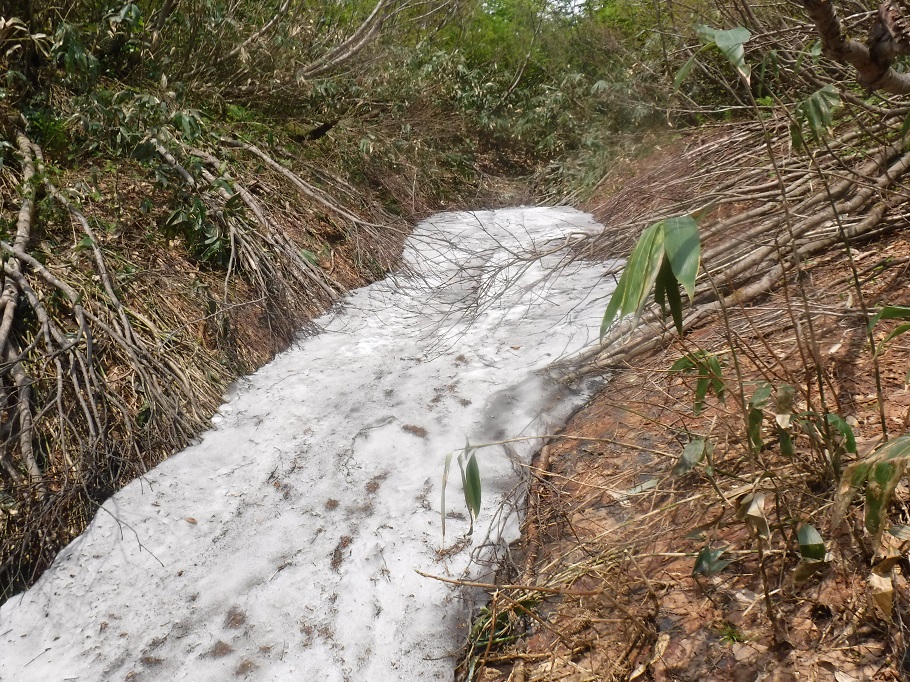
(897,331)
(717,376)
(674,302)
(85,243)
(684,72)
(815,111)
(660,286)
(644,265)
(683,247)
(666,292)
(879,491)
(701,391)
(691,455)
(708,562)
(786,442)
(814,51)
(845,430)
(614,306)
(881,471)
(852,478)
(685,363)
(760,396)
(890,312)
(811,544)
(705,33)
(637,277)
(472,487)
(729,42)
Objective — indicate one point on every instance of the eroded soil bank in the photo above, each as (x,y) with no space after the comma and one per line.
(641,568)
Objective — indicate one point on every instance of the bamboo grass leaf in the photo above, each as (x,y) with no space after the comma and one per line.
(691,455)
(811,544)
(683,247)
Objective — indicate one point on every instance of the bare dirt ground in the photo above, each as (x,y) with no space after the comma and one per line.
(613,536)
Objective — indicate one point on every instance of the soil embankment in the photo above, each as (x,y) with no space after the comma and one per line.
(655,564)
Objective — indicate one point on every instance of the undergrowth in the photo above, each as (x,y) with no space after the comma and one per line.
(772,413)
(185,184)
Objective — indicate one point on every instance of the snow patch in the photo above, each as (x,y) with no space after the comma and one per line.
(285,544)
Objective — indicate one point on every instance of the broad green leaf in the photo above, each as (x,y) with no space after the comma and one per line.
(705,33)
(637,277)
(786,442)
(811,543)
(761,395)
(660,287)
(814,51)
(684,72)
(701,391)
(879,490)
(691,455)
(815,110)
(674,302)
(731,44)
(644,267)
(683,247)
(686,362)
(470,479)
(717,376)
(890,312)
(666,293)
(897,331)
(708,562)
(852,478)
(614,306)
(881,471)
(845,430)
(732,37)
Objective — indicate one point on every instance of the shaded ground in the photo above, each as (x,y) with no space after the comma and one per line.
(613,530)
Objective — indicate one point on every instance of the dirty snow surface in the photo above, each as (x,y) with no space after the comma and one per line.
(285,544)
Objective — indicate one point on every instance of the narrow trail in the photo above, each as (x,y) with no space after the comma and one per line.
(285,544)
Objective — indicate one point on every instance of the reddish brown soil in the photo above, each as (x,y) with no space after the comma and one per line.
(607,517)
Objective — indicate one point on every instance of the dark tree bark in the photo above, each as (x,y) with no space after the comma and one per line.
(888,38)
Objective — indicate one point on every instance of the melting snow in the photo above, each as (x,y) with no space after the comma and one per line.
(285,544)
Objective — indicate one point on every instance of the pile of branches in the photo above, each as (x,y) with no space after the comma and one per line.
(104,371)
(783,188)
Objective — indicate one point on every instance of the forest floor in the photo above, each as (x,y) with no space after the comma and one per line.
(612,536)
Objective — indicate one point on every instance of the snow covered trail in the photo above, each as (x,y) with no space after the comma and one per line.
(284,545)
